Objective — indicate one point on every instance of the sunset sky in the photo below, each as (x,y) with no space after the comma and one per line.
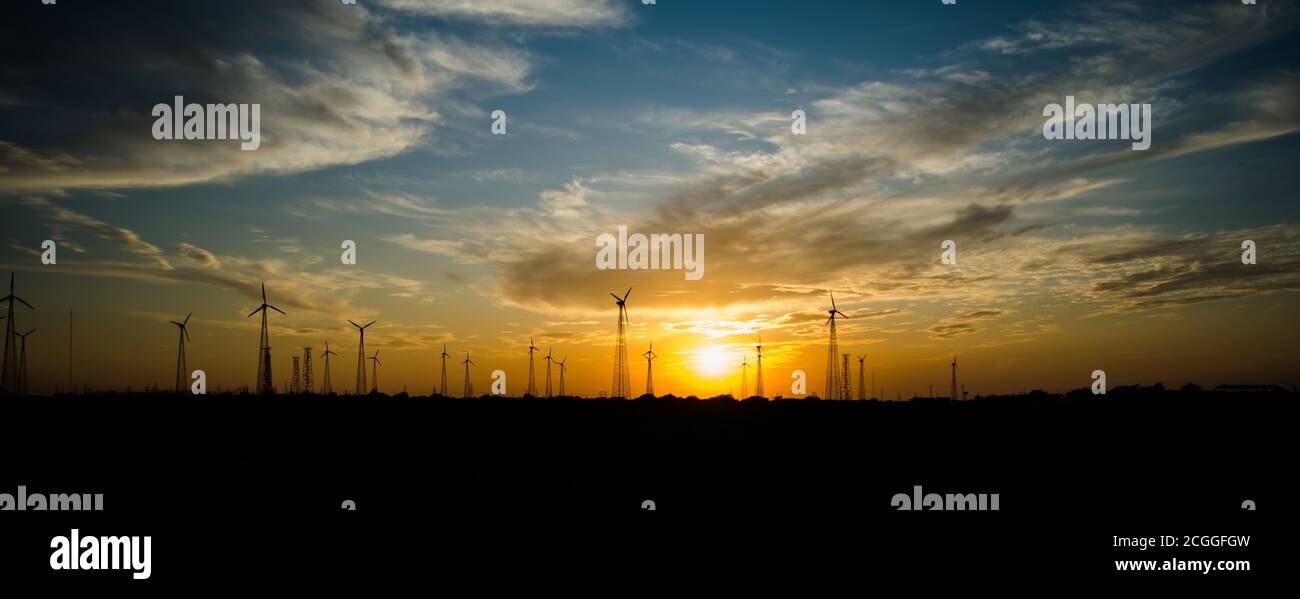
(924,124)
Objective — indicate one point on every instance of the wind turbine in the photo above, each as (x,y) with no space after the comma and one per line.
(953,396)
(649,368)
(442,388)
(9,376)
(744,377)
(862,390)
(264,385)
(561,363)
(621,385)
(832,351)
(374,372)
(468,386)
(758,384)
(361,357)
(532,380)
(182,378)
(22,363)
(548,372)
(329,387)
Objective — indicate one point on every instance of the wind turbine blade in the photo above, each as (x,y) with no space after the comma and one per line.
(187,333)
(187,317)
(629,292)
(263,293)
(355,324)
(832,300)
(277,310)
(370,323)
(257,310)
(616,297)
(176,323)
(23,301)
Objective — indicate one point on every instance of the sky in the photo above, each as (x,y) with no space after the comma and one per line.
(923,124)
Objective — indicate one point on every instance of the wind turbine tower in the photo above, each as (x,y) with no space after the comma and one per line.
(561,363)
(621,387)
(182,376)
(361,358)
(758,383)
(468,386)
(744,378)
(953,396)
(832,354)
(846,390)
(442,387)
(862,383)
(9,376)
(22,363)
(532,380)
(308,378)
(264,385)
(649,369)
(329,386)
(548,372)
(374,372)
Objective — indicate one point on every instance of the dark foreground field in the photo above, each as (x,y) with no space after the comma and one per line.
(508,474)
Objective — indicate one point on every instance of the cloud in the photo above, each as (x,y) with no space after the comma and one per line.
(573,13)
(890,168)
(335,86)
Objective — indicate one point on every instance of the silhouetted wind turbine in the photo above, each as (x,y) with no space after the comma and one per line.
(561,363)
(22,363)
(953,395)
(182,377)
(532,380)
(374,372)
(467,384)
(649,356)
(361,357)
(9,376)
(442,387)
(744,377)
(548,372)
(621,386)
(862,390)
(264,384)
(832,351)
(758,384)
(329,387)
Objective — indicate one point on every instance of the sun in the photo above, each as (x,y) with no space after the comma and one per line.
(711,361)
